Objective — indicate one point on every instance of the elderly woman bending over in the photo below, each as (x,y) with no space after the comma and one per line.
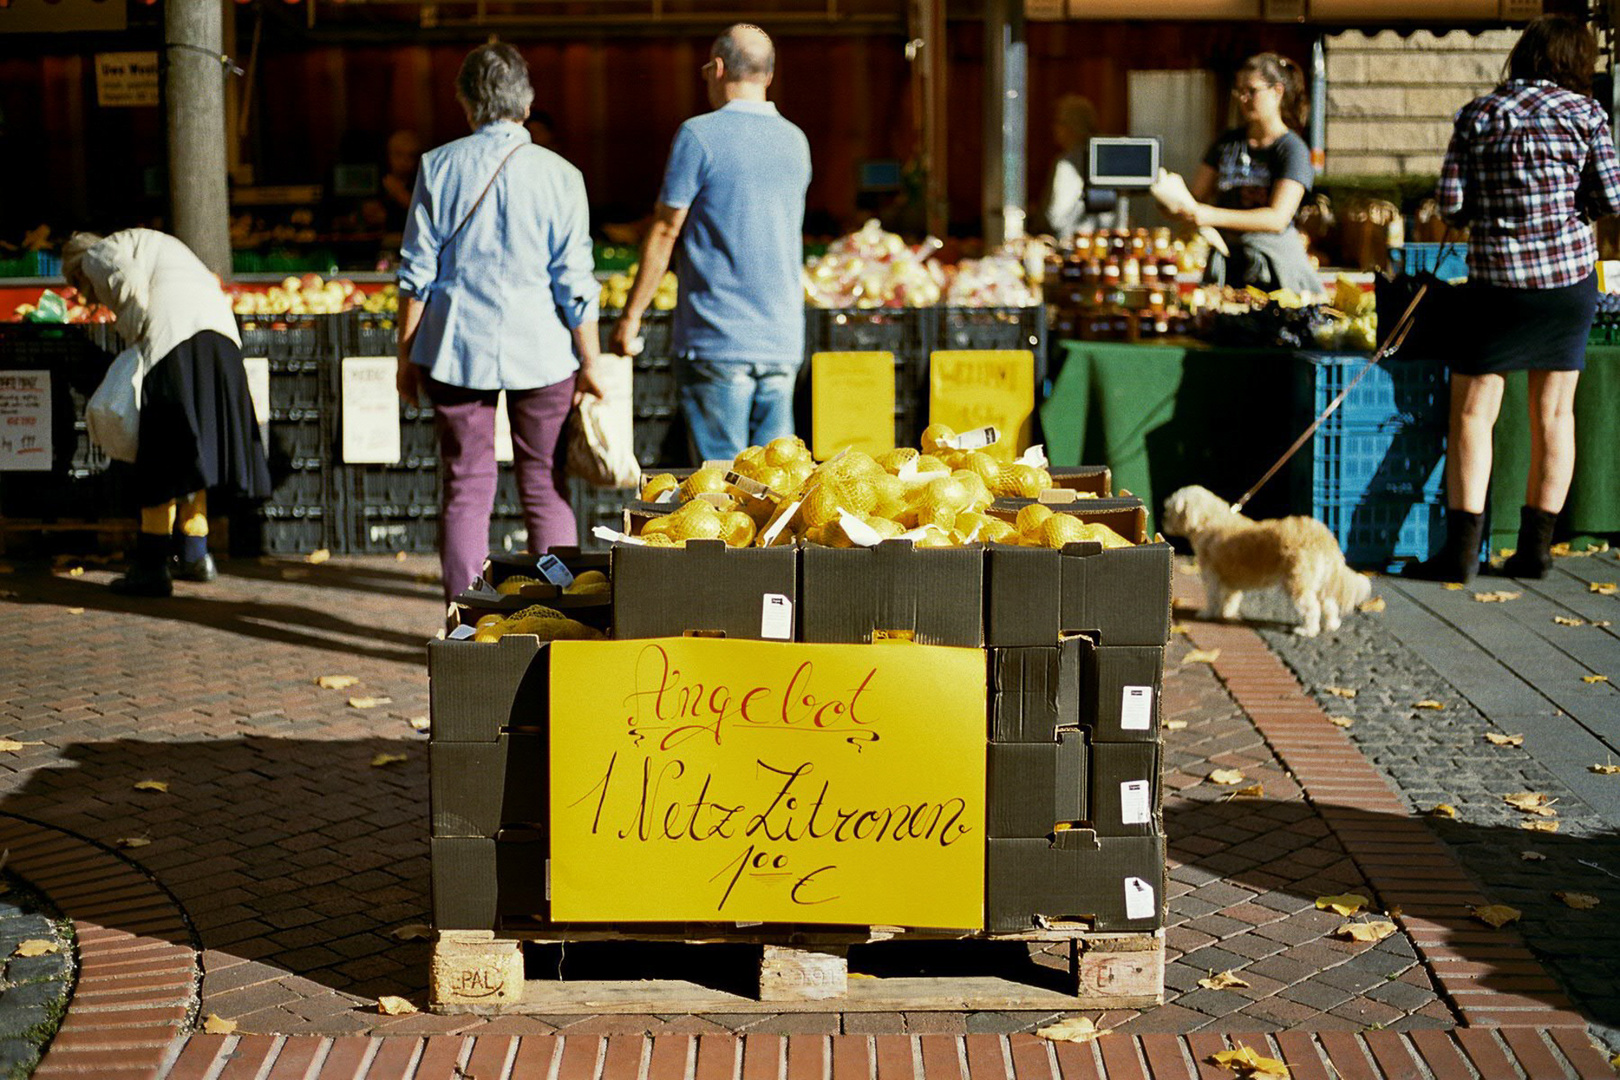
(497,293)
(197,428)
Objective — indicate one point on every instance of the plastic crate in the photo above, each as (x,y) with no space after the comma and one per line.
(1414,392)
(661,441)
(657,330)
(291,337)
(361,333)
(595,506)
(1393,459)
(383,530)
(1376,531)
(1426,259)
(280,529)
(654,388)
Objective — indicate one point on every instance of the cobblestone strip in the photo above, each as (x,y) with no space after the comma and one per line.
(1410,868)
(138,972)
(1373,1055)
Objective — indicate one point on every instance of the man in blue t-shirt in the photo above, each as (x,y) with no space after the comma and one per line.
(734,196)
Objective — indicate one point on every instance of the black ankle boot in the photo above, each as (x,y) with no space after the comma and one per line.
(193,563)
(149,573)
(1458,558)
(1533,557)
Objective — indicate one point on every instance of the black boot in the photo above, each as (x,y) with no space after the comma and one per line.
(1458,558)
(1533,557)
(193,563)
(149,574)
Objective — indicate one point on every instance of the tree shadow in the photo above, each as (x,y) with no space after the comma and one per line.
(348,576)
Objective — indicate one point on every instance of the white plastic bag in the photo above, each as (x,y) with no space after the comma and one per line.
(113,414)
(601,435)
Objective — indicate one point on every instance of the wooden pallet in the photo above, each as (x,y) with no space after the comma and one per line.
(482,972)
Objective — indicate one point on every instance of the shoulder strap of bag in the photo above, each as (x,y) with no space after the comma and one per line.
(480,201)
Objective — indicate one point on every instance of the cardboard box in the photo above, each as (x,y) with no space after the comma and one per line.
(1122,595)
(475,788)
(545,568)
(1112,691)
(933,596)
(477,689)
(1091,479)
(477,882)
(1125,796)
(594,610)
(705,588)
(1036,786)
(1116,884)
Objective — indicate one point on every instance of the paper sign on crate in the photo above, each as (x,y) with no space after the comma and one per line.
(25,421)
(851,403)
(370,399)
(974,388)
(712,780)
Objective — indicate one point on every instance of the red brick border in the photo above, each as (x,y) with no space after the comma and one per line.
(139,975)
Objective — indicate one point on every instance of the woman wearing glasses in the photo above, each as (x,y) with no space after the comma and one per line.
(1253,179)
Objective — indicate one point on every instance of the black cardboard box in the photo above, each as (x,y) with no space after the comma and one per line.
(475,788)
(594,610)
(476,689)
(933,596)
(477,882)
(1125,789)
(1036,786)
(499,566)
(1113,691)
(705,588)
(1116,884)
(1089,479)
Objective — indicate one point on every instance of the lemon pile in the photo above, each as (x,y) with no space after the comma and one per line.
(548,624)
(588,583)
(943,491)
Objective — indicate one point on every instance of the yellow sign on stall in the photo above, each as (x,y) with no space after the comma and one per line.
(715,780)
(975,388)
(851,403)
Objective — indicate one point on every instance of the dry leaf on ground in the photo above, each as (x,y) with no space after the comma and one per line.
(387,759)
(1253,791)
(1497,915)
(400,556)
(1445,810)
(151,785)
(1532,856)
(318,556)
(1602,588)
(1373,606)
(1604,770)
(1428,703)
(1371,930)
(75,611)
(1178,628)
(335,682)
(1578,900)
(1500,596)
(369,702)
(389,1005)
(131,841)
(77,571)
(218,1025)
(1202,656)
(419,723)
(1539,825)
(412,932)
(1339,691)
(11,746)
(1531,802)
(1594,678)
(1340,721)
(1503,740)
(1175,725)
(36,947)
(1227,776)
(1452,586)
(1226,980)
(1343,904)
(1565,620)
(1246,1063)
(1076,1029)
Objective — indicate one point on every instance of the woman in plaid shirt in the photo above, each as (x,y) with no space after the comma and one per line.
(1530,165)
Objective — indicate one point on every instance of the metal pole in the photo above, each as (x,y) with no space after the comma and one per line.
(1005,120)
(928,45)
(194,96)
(1319,104)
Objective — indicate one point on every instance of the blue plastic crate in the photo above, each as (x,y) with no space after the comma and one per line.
(1416,392)
(1426,259)
(1393,459)
(1377,531)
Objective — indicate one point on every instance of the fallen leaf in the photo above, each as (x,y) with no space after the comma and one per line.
(318,556)
(1175,725)
(1339,691)
(1226,776)
(1565,620)
(1503,740)
(11,746)
(1076,1029)
(1604,770)
(36,947)
(1539,825)
(860,975)
(1531,802)
(1343,904)
(1445,810)
(1428,703)
(387,759)
(1226,980)
(1605,622)
(335,682)
(389,1005)
(1253,791)
(369,702)
(1578,900)
(1614,1060)
(75,611)
(1178,628)
(1532,856)
(427,578)
(1373,606)
(1602,588)
(1497,915)
(412,932)
(1594,678)
(420,723)
(1246,1063)
(131,842)
(1452,586)
(77,571)
(218,1025)
(1371,930)
(1340,721)
(151,785)
(1202,656)
(1499,597)
(400,556)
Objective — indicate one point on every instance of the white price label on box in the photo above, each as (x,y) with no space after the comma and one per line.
(1136,802)
(1136,708)
(1140,902)
(776,620)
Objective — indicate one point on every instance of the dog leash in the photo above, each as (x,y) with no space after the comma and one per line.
(1397,337)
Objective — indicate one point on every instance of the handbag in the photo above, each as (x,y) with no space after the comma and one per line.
(113,414)
(1439,320)
(601,430)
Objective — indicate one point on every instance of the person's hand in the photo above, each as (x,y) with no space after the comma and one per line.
(409,381)
(625,333)
(585,384)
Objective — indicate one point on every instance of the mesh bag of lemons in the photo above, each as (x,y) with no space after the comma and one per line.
(547,624)
(588,583)
(936,496)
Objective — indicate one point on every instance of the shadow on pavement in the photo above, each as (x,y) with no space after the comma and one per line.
(348,576)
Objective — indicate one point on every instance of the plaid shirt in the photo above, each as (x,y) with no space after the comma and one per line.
(1529,166)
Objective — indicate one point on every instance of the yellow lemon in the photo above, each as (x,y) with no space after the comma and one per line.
(978,491)
(737,529)
(536,611)
(696,527)
(998,532)
(798,474)
(775,478)
(893,460)
(1060,529)
(927,463)
(1031,517)
(657,485)
(934,437)
(751,460)
(657,540)
(785,451)
(884,526)
(982,463)
(1018,482)
(970,523)
(820,507)
(1102,534)
(704,481)
(589,581)
(488,621)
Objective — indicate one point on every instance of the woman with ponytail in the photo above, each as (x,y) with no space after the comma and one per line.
(1255,176)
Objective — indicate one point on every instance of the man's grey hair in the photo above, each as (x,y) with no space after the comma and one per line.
(494,84)
(73,252)
(747,53)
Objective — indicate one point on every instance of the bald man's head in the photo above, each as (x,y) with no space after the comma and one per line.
(747,54)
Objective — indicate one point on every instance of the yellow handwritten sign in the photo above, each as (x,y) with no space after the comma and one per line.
(973,388)
(851,402)
(712,780)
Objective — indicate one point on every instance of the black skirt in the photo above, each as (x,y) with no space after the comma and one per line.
(1504,329)
(198,431)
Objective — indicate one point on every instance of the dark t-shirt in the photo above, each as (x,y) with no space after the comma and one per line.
(1245,175)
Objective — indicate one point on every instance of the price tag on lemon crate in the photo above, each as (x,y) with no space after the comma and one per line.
(851,403)
(977,388)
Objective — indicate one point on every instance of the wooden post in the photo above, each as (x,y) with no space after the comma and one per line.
(1005,121)
(194,98)
(803,973)
(475,968)
(928,77)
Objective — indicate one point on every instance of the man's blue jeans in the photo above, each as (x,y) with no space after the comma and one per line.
(733,404)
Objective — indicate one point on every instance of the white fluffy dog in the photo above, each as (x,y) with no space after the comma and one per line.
(1237,554)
